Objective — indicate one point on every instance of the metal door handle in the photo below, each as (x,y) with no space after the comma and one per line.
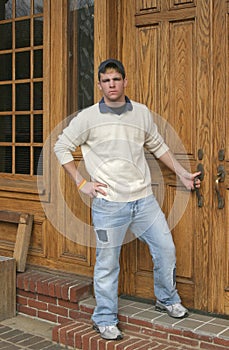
(200,199)
(219,178)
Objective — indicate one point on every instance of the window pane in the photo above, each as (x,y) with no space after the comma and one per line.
(6,128)
(6,36)
(23,65)
(22,33)
(22,161)
(38,6)
(22,8)
(38,96)
(38,64)
(38,161)
(38,128)
(23,128)
(81,47)
(7,14)
(5,98)
(6,159)
(38,31)
(6,67)
(22,97)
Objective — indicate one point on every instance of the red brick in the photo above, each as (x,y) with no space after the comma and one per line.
(85,338)
(154,333)
(26,294)
(131,341)
(101,344)
(57,330)
(212,346)
(27,310)
(21,300)
(123,318)
(32,281)
(37,304)
(130,327)
(24,275)
(47,299)
(63,338)
(147,346)
(183,340)
(140,322)
(75,315)
(55,334)
(68,304)
(221,341)
(88,309)
(58,310)
(77,337)
(65,290)
(95,343)
(139,345)
(62,320)
(70,333)
(47,316)
(20,281)
(190,334)
(58,287)
(52,287)
(161,347)
(42,285)
(79,292)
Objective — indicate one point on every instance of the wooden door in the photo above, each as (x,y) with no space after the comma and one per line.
(178,68)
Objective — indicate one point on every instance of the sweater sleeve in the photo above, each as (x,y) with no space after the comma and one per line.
(154,142)
(74,135)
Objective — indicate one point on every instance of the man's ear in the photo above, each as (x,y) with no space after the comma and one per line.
(99,85)
(125,82)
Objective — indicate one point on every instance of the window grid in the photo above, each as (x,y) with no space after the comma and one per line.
(17,85)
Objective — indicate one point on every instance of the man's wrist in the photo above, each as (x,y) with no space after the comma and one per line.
(184,173)
(81,184)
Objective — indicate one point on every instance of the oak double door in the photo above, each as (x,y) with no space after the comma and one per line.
(176,55)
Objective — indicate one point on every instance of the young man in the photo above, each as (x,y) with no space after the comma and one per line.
(113,134)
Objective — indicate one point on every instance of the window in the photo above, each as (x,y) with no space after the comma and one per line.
(81,54)
(21,87)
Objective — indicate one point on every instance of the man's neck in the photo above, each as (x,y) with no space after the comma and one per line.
(115,104)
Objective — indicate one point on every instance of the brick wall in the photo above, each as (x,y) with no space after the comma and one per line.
(51,297)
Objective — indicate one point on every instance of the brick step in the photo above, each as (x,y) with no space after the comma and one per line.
(80,335)
(51,296)
(139,321)
(67,301)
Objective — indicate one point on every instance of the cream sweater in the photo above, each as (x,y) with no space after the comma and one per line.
(113,148)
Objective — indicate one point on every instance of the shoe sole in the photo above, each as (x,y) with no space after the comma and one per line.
(95,328)
(164,310)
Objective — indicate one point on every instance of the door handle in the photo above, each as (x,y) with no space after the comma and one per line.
(219,178)
(200,199)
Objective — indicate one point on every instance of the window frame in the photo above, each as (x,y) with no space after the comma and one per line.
(33,187)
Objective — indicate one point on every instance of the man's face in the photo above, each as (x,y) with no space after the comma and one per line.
(112,86)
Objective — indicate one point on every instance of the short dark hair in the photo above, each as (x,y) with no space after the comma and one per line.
(111,63)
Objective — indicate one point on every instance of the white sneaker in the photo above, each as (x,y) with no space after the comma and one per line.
(176,310)
(108,332)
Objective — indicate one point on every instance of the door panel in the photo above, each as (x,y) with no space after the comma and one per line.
(181,74)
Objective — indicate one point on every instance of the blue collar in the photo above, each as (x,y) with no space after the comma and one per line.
(106,109)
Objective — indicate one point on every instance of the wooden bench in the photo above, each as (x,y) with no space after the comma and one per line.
(25,223)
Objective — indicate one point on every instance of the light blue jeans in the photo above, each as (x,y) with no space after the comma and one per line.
(147,222)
